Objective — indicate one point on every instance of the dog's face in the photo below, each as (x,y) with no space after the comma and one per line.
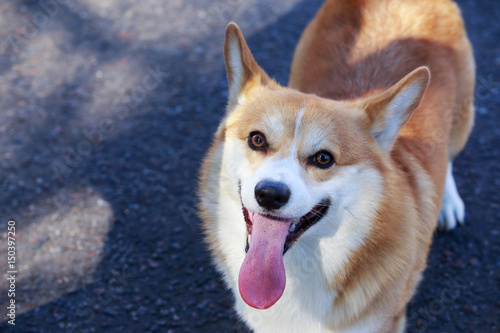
(287,146)
(308,172)
(298,165)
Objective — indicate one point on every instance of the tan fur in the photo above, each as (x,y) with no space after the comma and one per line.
(354,56)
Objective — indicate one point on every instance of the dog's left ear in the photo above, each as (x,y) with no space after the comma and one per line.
(391,109)
(241,67)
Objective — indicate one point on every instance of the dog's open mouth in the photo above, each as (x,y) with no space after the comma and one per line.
(262,276)
(298,226)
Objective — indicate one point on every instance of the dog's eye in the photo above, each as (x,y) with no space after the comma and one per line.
(322,159)
(257,141)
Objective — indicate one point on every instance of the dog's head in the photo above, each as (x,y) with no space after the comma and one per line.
(305,169)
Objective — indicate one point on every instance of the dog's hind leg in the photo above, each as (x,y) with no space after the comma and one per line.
(453,209)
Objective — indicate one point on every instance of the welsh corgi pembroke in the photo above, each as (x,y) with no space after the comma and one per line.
(319,200)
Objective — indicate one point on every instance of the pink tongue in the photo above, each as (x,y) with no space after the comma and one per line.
(262,276)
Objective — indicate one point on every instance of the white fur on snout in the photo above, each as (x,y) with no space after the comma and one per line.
(286,171)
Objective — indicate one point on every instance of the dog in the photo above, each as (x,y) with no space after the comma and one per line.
(319,200)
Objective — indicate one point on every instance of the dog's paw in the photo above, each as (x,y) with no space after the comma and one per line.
(453,209)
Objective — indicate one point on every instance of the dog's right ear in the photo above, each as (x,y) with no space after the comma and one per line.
(241,67)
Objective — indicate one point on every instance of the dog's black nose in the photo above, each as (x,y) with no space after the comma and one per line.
(271,195)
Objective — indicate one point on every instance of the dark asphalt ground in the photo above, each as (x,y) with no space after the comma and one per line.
(107,108)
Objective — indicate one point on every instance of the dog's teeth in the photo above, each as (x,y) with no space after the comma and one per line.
(295,223)
(249,239)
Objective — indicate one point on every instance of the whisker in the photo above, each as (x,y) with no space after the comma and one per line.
(347,209)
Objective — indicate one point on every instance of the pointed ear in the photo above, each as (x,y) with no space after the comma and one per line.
(391,109)
(240,65)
